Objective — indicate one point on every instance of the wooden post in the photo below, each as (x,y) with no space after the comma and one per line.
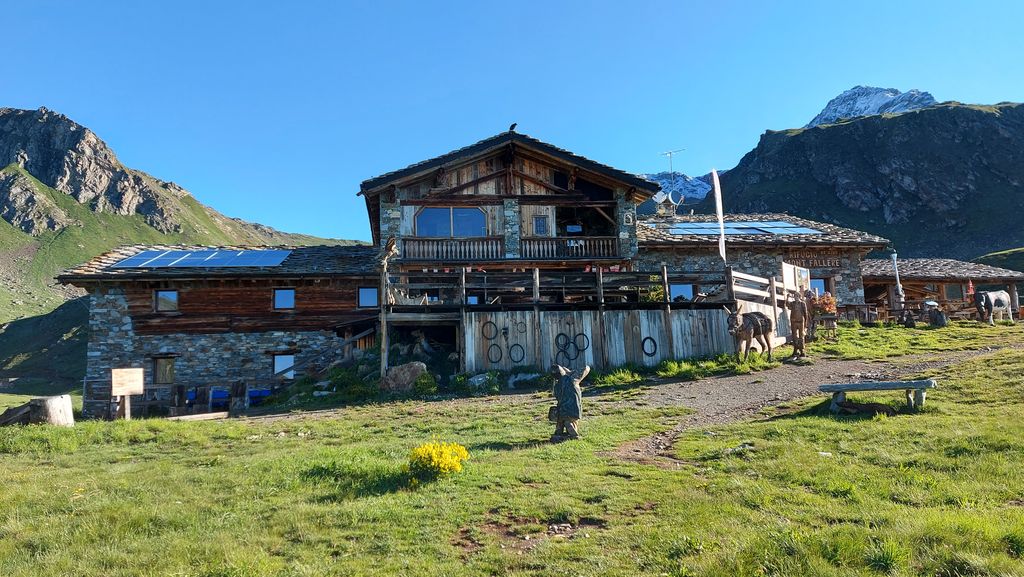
(124,408)
(667,317)
(462,286)
(730,293)
(52,410)
(383,303)
(1014,299)
(772,288)
(600,288)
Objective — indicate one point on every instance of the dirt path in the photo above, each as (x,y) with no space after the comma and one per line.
(729,399)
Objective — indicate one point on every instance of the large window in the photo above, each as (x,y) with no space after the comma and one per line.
(283,363)
(284,298)
(165,301)
(163,371)
(451,222)
(680,293)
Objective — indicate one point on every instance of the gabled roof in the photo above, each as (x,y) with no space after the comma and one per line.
(497,141)
(654,231)
(937,270)
(304,261)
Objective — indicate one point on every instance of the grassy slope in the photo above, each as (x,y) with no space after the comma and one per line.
(1011,259)
(34,261)
(936,493)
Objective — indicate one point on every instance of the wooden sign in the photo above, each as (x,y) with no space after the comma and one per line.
(126,382)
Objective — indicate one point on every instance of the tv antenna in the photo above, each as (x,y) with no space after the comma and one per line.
(672,172)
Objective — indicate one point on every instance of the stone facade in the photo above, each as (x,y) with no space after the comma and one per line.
(219,359)
(625,217)
(842,265)
(390,222)
(512,220)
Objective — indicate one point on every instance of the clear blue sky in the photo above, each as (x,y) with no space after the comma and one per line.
(276,111)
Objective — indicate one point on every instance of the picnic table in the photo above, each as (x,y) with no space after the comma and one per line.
(915,391)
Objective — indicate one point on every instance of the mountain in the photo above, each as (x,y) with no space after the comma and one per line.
(868,101)
(682,188)
(64,198)
(946,180)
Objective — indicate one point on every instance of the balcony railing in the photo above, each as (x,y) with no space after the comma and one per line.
(573,247)
(454,249)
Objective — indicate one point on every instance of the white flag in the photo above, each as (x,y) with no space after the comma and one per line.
(721,216)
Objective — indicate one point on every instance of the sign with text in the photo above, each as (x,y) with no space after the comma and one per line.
(826,258)
(126,382)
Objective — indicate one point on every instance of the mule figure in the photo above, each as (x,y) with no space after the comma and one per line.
(569,399)
(990,302)
(745,327)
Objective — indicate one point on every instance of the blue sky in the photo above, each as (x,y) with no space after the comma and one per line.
(276,111)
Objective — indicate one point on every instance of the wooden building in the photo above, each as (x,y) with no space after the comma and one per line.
(199,320)
(939,279)
(759,244)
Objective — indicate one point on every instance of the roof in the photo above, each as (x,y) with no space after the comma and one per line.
(503,139)
(323,260)
(654,231)
(936,269)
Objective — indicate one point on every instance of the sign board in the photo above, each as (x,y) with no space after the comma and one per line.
(823,258)
(795,277)
(126,382)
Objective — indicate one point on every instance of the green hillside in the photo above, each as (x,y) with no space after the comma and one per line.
(1012,259)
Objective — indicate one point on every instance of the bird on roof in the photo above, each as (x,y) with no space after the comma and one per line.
(513,127)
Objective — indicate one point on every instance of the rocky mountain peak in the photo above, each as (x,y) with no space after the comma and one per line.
(73,160)
(870,100)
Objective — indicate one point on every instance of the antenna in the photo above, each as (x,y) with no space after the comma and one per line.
(672,172)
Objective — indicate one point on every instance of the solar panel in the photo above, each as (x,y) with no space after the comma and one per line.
(742,227)
(204,258)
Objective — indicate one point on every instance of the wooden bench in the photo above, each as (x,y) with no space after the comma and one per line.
(915,391)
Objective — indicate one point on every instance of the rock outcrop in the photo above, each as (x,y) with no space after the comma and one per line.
(947,180)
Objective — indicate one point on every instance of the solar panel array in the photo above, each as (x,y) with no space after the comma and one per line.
(204,258)
(745,227)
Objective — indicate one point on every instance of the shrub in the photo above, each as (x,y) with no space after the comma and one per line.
(351,388)
(425,385)
(436,459)
(886,557)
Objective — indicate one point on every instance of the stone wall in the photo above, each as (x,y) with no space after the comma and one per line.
(511,218)
(843,266)
(200,359)
(625,217)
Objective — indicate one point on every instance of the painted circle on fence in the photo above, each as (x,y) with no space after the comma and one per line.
(581,341)
(561,341)
(489,333)
(572,352)
(494,354)
(650,346)
(521,326)
(516,353)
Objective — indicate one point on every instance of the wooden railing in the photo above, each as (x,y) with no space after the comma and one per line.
(453,249)
(578,247)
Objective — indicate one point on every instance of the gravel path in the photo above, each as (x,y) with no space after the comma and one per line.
(721,400)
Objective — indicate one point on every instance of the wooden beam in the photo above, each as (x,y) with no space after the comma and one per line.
(605,215)
(465,185)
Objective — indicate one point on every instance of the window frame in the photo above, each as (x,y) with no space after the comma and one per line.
(156,361)
(273,298)
(290,375)
(546,219)
(156,301)
(359,297)
(691,286)
(451,221)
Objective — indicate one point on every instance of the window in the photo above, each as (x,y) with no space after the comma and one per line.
(821,286)
(283,363)
(163,371)
(284,298)
(166,301)
(540,225)
(680,293)
(451,222)
(367,297)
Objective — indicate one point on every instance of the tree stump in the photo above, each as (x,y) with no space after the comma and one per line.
(52,410)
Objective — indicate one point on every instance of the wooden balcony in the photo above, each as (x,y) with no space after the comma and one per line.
(453,249)
(569,248)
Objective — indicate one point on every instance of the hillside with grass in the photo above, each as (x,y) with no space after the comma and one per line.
(65,198)
(796,491)
(941,181)
(1012,259)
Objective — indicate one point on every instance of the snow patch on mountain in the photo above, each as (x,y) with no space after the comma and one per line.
(681,186)
(870,100)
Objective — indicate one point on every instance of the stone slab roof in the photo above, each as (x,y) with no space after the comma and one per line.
(654,231)
(936,269)
(304,261)
(502,139)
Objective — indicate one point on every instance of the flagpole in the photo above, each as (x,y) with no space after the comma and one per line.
(720,213)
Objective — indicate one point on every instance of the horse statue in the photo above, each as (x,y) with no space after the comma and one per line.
(745,327)
(990,302)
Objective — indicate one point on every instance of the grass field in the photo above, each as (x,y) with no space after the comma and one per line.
(935,493)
